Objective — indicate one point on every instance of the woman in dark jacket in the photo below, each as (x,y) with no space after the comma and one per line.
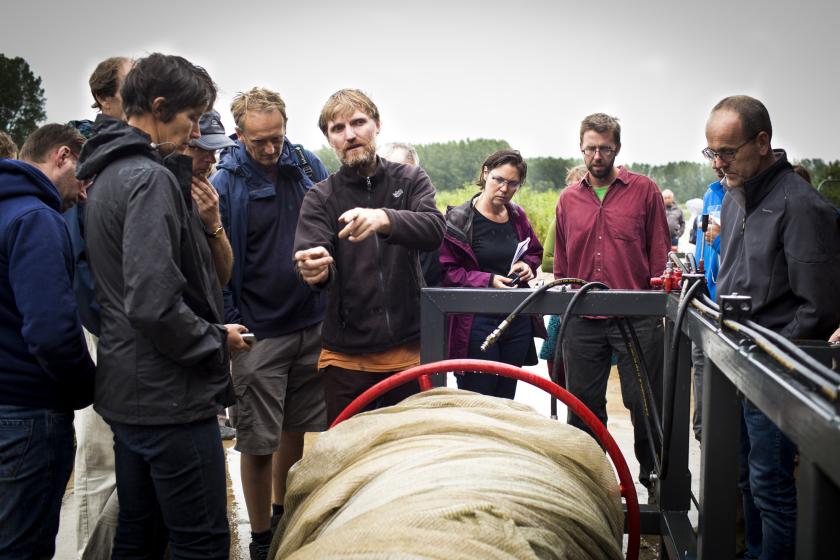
(478,251)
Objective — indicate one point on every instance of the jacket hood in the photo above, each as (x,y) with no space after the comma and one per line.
(237,161)
(24,179)
(112,140)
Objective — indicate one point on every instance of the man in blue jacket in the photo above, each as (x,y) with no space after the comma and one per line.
(46,371)
(707,248)
(279,393)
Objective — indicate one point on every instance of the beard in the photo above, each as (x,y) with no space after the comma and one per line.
(604,172)
(359,158)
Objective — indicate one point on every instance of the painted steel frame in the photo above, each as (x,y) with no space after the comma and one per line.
(734,368)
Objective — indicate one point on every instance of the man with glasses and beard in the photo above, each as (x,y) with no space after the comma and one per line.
(358,238)
(780,245)
(611,228)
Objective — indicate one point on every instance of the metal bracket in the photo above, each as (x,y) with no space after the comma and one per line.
(735,307)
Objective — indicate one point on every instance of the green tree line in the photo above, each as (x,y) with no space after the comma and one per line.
(451,165)
(453,168)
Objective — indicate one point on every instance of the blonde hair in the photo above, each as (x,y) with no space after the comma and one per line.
(344,101)
(575,174)
(256,99)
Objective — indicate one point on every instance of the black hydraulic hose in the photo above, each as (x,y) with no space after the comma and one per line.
(826,389)
(692,262)
(676,260)
(670,387)
(710,302)
(642,373)
(564,321)
(497,332)
(706,310)
(649,414)
(808,360)
(771,337)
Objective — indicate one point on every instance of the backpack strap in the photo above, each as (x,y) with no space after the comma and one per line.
(303,164)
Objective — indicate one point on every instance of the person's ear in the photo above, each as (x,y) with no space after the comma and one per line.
(763,141)
(61,156)
(104,104)
(157,107)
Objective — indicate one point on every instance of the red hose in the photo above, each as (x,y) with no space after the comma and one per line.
(628,489)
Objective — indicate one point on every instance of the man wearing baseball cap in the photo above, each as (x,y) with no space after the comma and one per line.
(203,152)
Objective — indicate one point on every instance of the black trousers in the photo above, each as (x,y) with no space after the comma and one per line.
(588,347)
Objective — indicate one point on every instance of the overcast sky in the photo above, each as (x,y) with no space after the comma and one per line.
(523,71)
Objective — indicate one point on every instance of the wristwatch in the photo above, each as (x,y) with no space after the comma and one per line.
(215,233)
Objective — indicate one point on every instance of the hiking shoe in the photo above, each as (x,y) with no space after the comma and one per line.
(227,432)
(258,551)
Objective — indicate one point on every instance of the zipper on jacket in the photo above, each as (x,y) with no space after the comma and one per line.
(743,224)
(379,264)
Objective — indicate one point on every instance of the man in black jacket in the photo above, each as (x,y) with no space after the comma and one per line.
(358,237)
(163,369)
(780,244)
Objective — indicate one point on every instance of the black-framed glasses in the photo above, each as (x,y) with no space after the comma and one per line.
(501,181)
(606,151)
(726,155)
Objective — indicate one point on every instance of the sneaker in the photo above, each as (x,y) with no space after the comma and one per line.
(258,551)
(227,433)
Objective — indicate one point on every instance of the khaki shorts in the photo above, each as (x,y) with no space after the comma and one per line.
(278,388)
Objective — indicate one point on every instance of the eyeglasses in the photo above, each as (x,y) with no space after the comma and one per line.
(606,151)
(507,182)
(726,155)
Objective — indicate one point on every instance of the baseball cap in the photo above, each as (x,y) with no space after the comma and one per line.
(213,135)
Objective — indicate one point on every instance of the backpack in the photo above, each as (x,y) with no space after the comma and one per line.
(302,163)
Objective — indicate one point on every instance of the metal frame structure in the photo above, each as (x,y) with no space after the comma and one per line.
(734,368)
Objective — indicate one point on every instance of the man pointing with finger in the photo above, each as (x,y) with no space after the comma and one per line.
(358,237)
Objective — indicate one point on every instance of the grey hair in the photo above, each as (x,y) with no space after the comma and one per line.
(386,150)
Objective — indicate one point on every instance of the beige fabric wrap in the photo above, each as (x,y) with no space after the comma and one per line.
(451,474)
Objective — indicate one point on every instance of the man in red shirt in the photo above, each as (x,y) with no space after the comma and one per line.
(611,228)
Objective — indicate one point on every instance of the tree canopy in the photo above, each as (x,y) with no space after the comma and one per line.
(21,99)
(451,165)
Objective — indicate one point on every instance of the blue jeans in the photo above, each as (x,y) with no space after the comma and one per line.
(767,486)
(171,486)
(511,348)
(36,459)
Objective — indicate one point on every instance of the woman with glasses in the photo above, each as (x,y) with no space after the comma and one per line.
(489,243)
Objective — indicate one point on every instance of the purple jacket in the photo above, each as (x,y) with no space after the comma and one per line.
(460,266)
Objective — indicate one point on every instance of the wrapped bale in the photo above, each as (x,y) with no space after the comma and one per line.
(452,474)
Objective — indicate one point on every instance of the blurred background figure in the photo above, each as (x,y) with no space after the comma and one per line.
(8,148)
(405,153)
(676,220)
(547,352)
